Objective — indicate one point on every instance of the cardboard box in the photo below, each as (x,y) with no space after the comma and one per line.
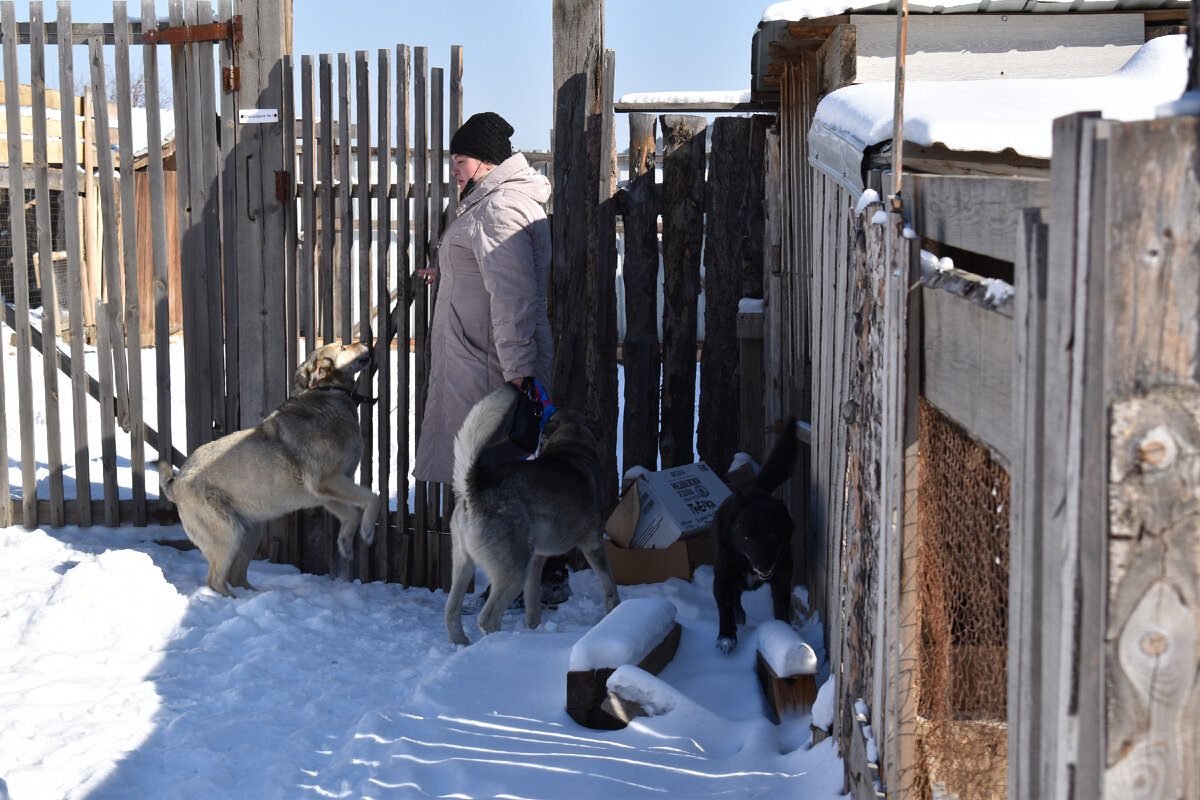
(659,508)
(679,560)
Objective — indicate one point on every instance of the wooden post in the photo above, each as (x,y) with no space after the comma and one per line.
(640,276)
(257,216)
(582,277)
(728,181)
(683,237)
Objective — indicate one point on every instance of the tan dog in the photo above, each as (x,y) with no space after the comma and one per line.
(301,455)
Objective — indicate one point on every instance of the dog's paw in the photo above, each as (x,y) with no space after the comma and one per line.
(726,644)
(367,532)
(344,547)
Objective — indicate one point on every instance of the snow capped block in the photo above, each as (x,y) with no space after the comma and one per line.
(786,669)
(640,631)
(625,636)
(784,650)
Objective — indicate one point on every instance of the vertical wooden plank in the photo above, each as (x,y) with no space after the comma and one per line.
(640,277)
(603,380)
(381,552)
(197,404)
(456,120)
(1150,318)
(1026,548)
(132,314)
(439,494)
(158,232)
(404,268)
(365,284)
(308,303)
(328,220)
(291,234)
(75,284)
(110,332)
(225,394)
(20,250)
(50,300)
(683,236)
(578,31)
(343,279)
(420,226)
(724,233)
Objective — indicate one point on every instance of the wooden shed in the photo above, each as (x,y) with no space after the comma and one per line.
(917,383)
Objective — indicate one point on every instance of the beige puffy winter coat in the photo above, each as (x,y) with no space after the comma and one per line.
(490,323)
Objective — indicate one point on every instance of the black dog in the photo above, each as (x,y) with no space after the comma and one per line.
(752,542)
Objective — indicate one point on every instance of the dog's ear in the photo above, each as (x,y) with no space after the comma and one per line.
(311,373)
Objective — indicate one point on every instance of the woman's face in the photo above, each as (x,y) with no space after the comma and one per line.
(464,168)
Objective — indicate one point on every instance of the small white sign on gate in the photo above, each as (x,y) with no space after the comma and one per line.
(257,116)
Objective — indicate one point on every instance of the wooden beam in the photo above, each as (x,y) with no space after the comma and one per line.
(968,358)
(972,213)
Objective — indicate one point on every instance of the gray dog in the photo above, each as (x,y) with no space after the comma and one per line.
(301,455)
(510,516)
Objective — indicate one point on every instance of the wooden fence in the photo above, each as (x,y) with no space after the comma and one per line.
(1077,391)
(358,206)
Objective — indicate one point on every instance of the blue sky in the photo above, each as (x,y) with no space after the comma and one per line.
(660,45)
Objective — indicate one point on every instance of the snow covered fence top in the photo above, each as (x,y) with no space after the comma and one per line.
(625,636)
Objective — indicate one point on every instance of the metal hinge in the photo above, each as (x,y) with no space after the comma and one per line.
(231,77)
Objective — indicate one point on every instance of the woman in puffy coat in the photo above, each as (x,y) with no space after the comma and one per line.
(490,323)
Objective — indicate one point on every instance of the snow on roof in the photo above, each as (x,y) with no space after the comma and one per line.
(796,10)
(695,98)
(995,115)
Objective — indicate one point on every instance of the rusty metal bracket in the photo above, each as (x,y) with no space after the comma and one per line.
(231,77)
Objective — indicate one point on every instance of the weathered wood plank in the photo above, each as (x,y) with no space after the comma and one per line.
(50,303)
(683,234)
(404,372)
(380,549)
(132,332)
(972,213)
(158,255)
(343,320)
(1152,558)
(639,275)
(362,87)
(717,428)
(328,221)
(1026,545)
(420,256)
(308,209)
(20,260)
(968,357)
(75,284)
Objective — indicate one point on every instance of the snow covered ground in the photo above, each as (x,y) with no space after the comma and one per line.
(122,676)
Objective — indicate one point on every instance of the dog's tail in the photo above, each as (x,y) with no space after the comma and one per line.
(781,461)
(166,479)
(478,430)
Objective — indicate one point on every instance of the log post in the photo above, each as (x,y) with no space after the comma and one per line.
(640,275)
(683,237)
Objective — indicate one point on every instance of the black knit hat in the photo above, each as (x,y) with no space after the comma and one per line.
(483,136)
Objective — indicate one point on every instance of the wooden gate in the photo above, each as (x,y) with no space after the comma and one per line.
(299,222)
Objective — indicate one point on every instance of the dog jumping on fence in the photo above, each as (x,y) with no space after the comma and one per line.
(301,455)
(511,516)
(752,542)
